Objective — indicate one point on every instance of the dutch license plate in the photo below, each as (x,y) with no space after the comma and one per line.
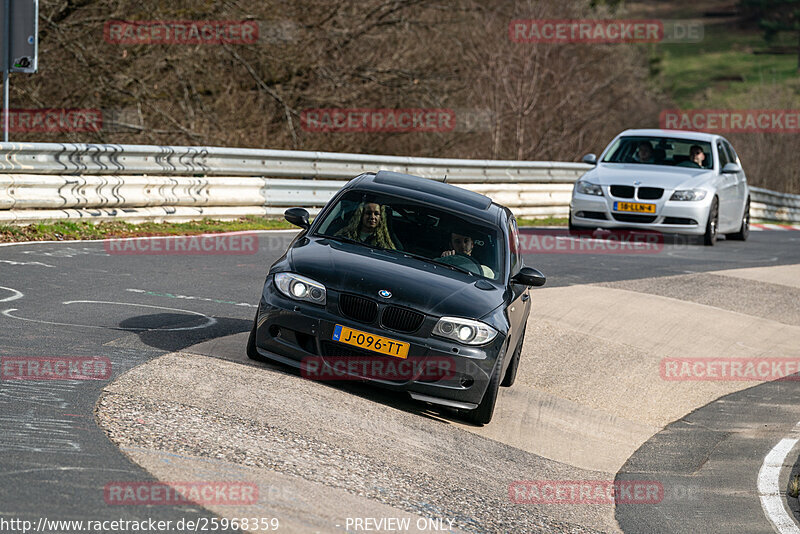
(364,340)
(635,207)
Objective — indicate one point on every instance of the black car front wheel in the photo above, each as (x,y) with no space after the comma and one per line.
(252,352)
(511,373)
(485,410)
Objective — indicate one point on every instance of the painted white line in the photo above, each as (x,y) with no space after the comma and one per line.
(15,296)
(210,321)
(59,468)
(11,262)
(188,297)
(769,490)
(75,241)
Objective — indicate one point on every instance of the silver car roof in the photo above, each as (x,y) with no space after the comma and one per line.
(676,134)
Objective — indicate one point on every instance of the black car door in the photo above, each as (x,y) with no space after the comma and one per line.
(520,303)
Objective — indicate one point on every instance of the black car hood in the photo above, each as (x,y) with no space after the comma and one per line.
(429,288)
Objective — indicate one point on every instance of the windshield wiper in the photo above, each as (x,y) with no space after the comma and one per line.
(344,239)
(433,261)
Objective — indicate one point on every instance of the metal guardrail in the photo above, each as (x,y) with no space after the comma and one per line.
(90,159)
(40,181)
(766,204)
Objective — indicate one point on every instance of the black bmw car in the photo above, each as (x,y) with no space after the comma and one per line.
(412,284)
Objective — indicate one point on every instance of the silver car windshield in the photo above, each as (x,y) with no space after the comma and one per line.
(661,151)
(419,230)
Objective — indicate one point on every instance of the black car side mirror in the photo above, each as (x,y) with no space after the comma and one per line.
(530,277)
(297,216)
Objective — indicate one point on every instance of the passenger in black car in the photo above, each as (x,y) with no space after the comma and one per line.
(368,225)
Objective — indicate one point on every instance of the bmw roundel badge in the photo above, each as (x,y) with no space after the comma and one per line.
(385,293)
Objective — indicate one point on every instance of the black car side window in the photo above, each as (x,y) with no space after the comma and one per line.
(513,245)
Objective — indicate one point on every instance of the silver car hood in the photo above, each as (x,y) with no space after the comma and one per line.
(648,175)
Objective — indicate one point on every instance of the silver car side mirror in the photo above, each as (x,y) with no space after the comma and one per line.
(731,168)
(590,158)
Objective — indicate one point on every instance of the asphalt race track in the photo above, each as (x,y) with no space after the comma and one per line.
(183,402)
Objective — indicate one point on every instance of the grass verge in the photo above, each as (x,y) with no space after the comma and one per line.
(76,230)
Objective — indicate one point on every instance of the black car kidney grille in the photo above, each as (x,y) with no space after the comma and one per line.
(622,191)
(401,319)
(358,308)
(650,193)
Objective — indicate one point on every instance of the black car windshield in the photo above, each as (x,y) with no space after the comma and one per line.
(419,230)
(645,150)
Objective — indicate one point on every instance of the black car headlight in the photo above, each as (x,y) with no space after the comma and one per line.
(299,287)
(465,331)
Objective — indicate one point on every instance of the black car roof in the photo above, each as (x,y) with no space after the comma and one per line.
(430,191)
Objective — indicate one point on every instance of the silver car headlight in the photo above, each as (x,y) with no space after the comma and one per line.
(465,331)
(299,287)
(688,194)
(587,188)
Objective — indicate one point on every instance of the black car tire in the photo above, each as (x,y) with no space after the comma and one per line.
(485,410)
(710,237)
(744,229)
(252,352)
(511,372)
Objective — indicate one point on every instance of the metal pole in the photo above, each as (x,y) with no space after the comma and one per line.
(6,53)
(5,105)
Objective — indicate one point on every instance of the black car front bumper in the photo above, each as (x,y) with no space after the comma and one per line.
(293,332)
